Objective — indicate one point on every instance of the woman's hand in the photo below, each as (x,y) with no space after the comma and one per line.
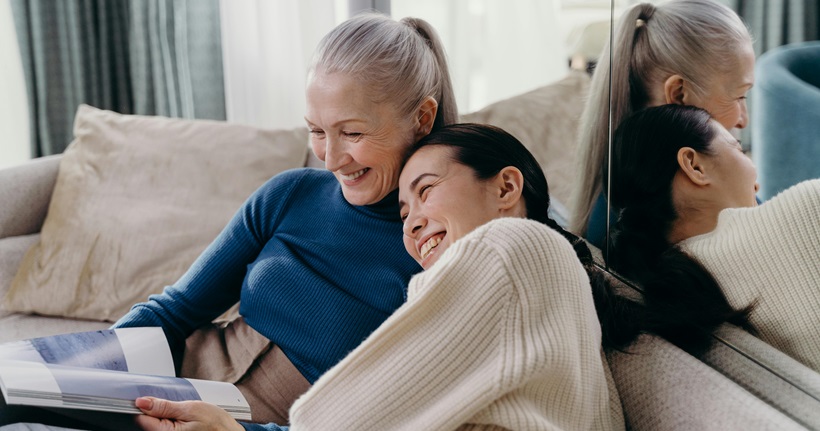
(164,415)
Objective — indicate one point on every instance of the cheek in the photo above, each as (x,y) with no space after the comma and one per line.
(410,247)
(318,149)
(727,114)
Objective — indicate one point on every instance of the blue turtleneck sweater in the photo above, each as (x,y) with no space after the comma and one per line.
(313,273)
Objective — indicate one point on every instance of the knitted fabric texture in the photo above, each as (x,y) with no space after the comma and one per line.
(500,333)
(771,253)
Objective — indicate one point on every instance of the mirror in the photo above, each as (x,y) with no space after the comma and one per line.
(736,353)
(498,51)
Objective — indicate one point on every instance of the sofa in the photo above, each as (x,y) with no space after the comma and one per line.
(134,200)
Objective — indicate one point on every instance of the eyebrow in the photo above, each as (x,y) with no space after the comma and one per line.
(336,124)
(415,183)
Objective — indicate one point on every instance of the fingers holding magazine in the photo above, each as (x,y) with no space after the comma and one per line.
(164,415)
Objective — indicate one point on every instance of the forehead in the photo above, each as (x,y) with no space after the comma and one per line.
(430,159)
(337,95)
(740,71)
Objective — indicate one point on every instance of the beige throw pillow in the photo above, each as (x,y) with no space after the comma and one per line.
(137,199)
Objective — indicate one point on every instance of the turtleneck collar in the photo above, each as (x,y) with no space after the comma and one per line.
(387,208)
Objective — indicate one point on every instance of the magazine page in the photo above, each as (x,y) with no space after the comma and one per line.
(133,350)
(52,385)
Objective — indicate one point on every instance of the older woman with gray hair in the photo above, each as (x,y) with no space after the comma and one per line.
(314,257)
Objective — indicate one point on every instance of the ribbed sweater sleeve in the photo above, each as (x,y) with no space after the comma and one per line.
(771,253)
(500,332)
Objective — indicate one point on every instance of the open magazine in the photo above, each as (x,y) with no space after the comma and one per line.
(104,371)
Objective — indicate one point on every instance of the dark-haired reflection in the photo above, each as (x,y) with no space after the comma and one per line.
(690,233)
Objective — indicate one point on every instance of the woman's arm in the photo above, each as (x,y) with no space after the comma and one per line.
(213,282)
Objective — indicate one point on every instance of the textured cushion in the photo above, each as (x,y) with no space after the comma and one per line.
(25,191)
(692,397)
(137,199)
(12,250)
(545,120)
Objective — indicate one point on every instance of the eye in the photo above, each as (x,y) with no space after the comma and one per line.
(317,132)
(352,134)
(423,190)
(403,218)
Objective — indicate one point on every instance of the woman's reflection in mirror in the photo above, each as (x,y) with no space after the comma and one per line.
(689,231)
(687,52)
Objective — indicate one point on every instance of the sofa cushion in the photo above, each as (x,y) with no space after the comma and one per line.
(12,250)
(137,199)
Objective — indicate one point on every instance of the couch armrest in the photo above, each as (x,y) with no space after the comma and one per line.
(25,191)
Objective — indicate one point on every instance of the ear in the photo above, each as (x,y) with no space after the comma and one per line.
(509,184)
(674,90)
(693,165)
(426,116)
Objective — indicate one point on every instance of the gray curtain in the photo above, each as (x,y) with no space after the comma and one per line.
(779,22)
(148,57)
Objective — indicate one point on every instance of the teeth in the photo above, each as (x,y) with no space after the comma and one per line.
(354,175)
(429,245)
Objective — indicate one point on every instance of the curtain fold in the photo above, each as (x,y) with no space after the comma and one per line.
(14,106)
(149,57)
(779,22)
(267,47)
(490,59)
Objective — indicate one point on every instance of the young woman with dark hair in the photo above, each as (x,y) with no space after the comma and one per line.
(690,232)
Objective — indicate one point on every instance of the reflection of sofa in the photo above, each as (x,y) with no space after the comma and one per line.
(785,117)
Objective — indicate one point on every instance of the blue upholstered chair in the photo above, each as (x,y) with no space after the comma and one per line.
(785,117)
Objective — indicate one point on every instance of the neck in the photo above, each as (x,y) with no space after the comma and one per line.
(692,222)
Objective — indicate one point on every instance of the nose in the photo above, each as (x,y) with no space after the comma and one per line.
(335,154)
(743,121)
(412,225)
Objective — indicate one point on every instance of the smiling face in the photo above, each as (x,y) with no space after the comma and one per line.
(361,141)
(725,97)
(441,201)
(734,173)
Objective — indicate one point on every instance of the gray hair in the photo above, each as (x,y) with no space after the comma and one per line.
(696,39)
(403,61)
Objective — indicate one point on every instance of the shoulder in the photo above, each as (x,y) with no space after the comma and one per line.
(804,195)
(293,179)
(300,175)
(522,248)
(787,220)
(511,236)
(792,208)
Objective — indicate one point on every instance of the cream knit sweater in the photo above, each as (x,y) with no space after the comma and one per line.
(500,333)
(772,253)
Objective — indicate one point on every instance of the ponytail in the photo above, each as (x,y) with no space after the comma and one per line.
(684,303)
(447,107)
(621,319)
(593,131)
(696,39)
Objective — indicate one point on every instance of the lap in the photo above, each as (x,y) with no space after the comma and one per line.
(236,353)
